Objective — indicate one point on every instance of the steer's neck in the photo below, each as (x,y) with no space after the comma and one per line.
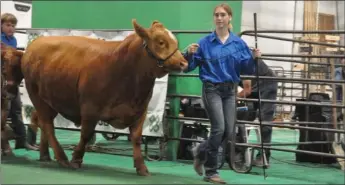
(145,65)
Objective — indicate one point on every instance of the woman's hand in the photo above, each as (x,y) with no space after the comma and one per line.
(192,48)
(256,53)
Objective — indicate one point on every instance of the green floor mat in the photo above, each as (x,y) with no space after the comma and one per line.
(115,169)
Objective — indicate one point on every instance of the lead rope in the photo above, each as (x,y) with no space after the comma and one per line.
(259,98)
(209,59)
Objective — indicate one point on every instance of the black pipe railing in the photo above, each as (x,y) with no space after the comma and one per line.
(295,40)
(301,56)
(298,61)
(266,147)
(305,80)
(292,103)
(300,80)
(275,122)
(266,101)
(264,123)
(295,31)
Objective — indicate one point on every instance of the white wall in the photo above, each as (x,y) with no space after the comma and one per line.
(24,18)
(281,15)
(341,18)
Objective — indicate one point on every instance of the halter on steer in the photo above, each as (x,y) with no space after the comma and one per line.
(160,62)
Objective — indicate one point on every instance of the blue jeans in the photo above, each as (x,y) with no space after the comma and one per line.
(219,101)
(15,113)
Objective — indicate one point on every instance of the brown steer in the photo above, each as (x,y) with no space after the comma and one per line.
(87,80)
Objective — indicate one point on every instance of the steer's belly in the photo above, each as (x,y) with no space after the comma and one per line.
(124,116)
(119,124)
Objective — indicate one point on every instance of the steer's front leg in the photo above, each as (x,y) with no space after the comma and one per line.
(136,133)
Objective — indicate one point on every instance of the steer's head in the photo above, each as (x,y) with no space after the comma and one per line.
(162,46)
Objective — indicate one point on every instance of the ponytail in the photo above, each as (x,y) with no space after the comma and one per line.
(230,26)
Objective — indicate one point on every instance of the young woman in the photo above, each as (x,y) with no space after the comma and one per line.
(221,57)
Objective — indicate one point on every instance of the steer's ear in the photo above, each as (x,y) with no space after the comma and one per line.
(142,32)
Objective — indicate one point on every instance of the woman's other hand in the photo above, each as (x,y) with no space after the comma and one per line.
(193,48)
(256,53)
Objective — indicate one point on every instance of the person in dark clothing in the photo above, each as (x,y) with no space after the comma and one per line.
(8,24)
(339,74)
(268,90)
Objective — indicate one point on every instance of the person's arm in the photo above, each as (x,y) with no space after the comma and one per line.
(247,89)
(194,59)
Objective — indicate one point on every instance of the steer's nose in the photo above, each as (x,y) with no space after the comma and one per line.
(183,65)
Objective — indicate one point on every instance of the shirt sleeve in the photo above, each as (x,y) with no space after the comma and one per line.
(194,60)
(247,61)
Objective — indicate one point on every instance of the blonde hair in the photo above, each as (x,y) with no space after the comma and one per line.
(230,26)
(8,17)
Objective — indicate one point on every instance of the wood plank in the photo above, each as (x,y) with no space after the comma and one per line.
(332,37)
(334,49)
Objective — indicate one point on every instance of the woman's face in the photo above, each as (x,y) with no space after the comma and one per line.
(221,18)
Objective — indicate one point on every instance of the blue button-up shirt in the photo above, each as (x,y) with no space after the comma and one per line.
(220,62)
(9,40)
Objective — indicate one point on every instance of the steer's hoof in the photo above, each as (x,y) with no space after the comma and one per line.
(143,171)
(64,163)
(45,158)
(7,153)
(75,164)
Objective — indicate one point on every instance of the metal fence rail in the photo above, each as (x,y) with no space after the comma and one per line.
(266,101)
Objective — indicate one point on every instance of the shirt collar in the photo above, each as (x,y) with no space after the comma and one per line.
(213,37)
(3,35)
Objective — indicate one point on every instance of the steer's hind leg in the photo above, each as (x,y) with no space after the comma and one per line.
(136,133)
(44,146)
(5,145)
(87,131)
(46,116)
